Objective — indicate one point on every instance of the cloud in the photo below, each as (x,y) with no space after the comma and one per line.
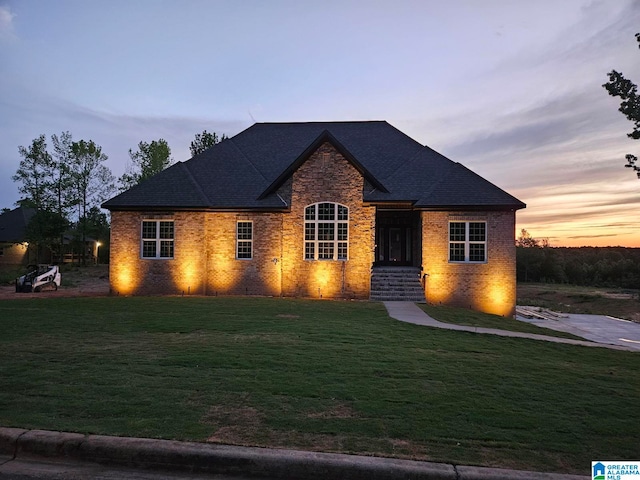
(576,237)
(27,114)
(553,122)
(6,22)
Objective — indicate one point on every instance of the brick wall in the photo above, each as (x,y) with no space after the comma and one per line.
(130,274)
(227,275)
(490,286)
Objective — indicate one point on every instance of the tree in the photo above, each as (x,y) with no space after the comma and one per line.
(530,255)
(149,159)
(203,141)
(62,181)
(619,86)
(93,181)
(35,173)
(525,240)
(45,230)
(96,225)
(52,184)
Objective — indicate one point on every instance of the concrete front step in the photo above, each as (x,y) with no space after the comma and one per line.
(396,284)
(395,298)
(400,293)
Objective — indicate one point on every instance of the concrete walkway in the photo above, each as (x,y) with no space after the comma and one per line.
(409,312)
(78,457)
(597,328)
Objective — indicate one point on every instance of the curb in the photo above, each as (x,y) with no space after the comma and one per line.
(192,457)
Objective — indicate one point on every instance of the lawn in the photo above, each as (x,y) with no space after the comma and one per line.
(316,375)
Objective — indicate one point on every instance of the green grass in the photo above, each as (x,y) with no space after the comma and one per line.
(318,375)
(463,316)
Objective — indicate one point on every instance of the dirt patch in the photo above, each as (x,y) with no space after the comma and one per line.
(623,296)
(336,411)
(91,281)
(575,299)
(233,424)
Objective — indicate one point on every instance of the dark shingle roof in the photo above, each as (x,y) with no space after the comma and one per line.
(244,171)
(13,224)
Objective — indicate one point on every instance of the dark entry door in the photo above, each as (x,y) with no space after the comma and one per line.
(394,239)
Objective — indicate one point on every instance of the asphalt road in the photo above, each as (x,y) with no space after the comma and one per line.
(36,469)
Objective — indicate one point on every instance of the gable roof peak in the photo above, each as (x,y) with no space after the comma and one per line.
(324,136)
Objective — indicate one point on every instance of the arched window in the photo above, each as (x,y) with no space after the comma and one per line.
(326,231)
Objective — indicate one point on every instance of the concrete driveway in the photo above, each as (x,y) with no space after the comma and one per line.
(597,328)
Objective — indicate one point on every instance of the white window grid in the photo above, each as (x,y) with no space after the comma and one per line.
(244,240)
(157,239)
(326,231)
(468,242)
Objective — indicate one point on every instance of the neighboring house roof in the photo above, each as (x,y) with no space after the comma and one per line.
(245,171)
(13,224)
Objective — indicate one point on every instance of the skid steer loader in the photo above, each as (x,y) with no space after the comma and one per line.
(38,278)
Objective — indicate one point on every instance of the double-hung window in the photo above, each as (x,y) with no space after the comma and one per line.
(244,240)
(157,239)
(468,242)
(326,231)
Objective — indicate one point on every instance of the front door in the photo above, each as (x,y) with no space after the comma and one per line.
(394,238)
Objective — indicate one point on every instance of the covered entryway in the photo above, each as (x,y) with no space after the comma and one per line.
(397,238)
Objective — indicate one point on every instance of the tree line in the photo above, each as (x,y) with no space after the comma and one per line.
(65,183)
(612,267)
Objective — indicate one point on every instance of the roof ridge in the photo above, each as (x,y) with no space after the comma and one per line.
(460,165)
(438,178)
(246,157)
(185,167)
(317,122)
(408,161)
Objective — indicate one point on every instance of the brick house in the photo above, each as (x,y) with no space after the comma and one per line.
(320,209)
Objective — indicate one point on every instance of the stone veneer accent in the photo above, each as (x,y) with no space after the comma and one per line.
(328,177)
(489,287)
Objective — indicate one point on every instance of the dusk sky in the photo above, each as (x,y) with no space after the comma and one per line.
(511,89)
